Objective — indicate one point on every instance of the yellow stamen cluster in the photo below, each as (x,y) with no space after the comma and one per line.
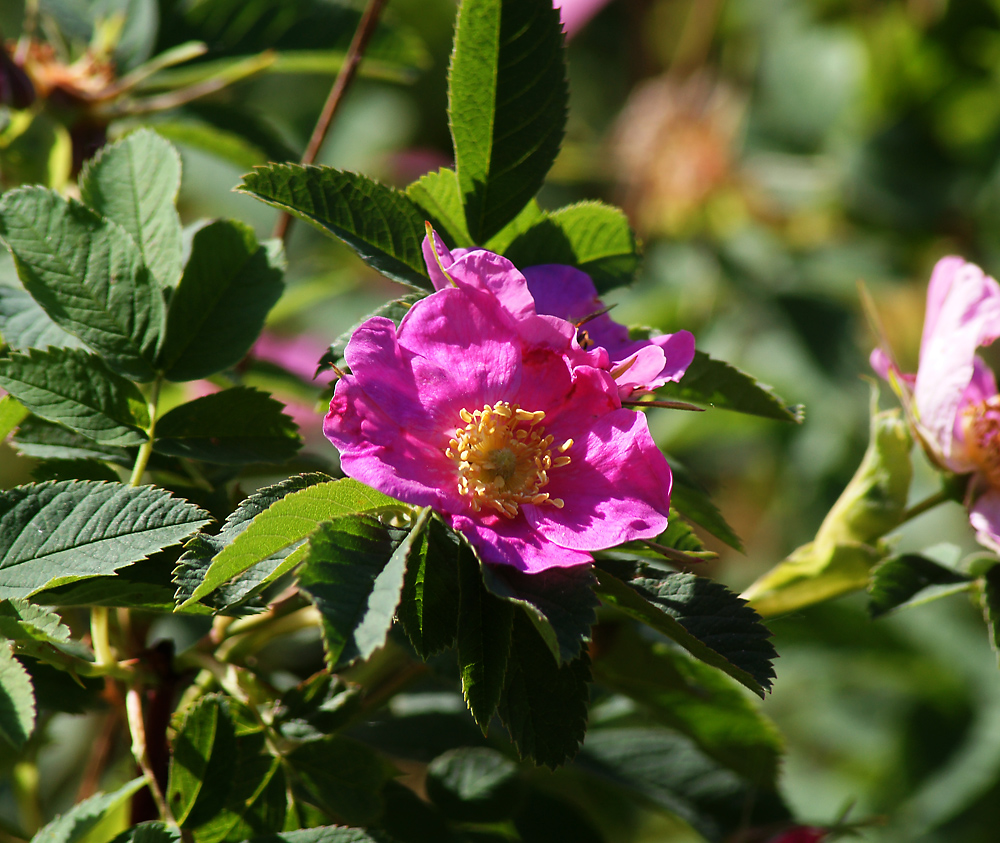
(504,458)
(981,425)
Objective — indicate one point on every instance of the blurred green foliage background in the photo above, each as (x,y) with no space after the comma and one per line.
(770,154)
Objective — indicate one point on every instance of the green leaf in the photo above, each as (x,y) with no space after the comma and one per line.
(354,576)
(343,777)
(201,765)
(394,310)
(484,635)
(17,700)
(530,215)
(135,182)
(23,323)
(991,605)
(507,102)
(74,470)
(716,384)
(54,533)
(697,700)
(594,237)
(680,535)
(77,823)
(317,707)
(909,580)
(46,440)
(12,413)
(695,505)
(664,769)
(150,832)
(475,784)
(194,564)
(560,603)
(324,834)
(380,223)
(706,619)
(75,388)
(544,705)
(236,426)
(21,620)
(438,196)
(87,275)
(218,310)
(287,522)
(428,608)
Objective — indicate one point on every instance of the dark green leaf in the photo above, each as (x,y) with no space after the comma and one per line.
(484,633)
(908,580)
(343,777)
(544,705)
(680,535)
(193,566)
(428,609)
(410,819)
(54,533)
(78,821)
(229,284)
(507,106)
(73,387)
(285,523)
(560,603)
(380,223)
(57,690)
(545,818)
(529,216)
(594,237)
(23,323)
(87,275)
(697,700)
(665,769)
(17,699)
(201,765)
(394,310)
(475,784)
(149,832)
(695,505)
(46,440)
(74,470)
(21,620)
(991,605)
(710,622)
(354,575)
(716,384)
(232,427)
(134,182)
(438,196)
(324,834)
(317,707)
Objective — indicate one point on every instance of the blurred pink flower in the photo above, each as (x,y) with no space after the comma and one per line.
(953,397)
(564,292)
(576,13)
(487,414)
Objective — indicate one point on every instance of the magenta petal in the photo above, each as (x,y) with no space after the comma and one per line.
(616,489)
(984,516)
(678,348)
(562,291)
(482,270)
(513,542)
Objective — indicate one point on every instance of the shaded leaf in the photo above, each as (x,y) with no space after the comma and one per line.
(343,777)
(475,784)
(317,707)
(716,384)
(594,237)
(202,761)
(428,608)
(324,834)
(353,574)
(87,275)
(380,223)
(23,323)
(910,579)
(507,102)
(559,601)
(73,387)
(484,636)
(46,440)
(695,505)
(17,700)
(991,605)
(285,523)
(710,622)
(135,182)
(149,832)
(21,620)
(544,705)
(54,533)
(82,818)
(218,310)
(238,425)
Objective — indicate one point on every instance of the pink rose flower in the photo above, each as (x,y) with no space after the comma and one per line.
(554,290)
(487,414)
(953,396)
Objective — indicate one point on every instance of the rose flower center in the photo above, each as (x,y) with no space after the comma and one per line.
(981,425)
(503,458)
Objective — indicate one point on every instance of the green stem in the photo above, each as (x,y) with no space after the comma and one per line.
(100,638)
(137,728)
(146,450)
(927,503)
